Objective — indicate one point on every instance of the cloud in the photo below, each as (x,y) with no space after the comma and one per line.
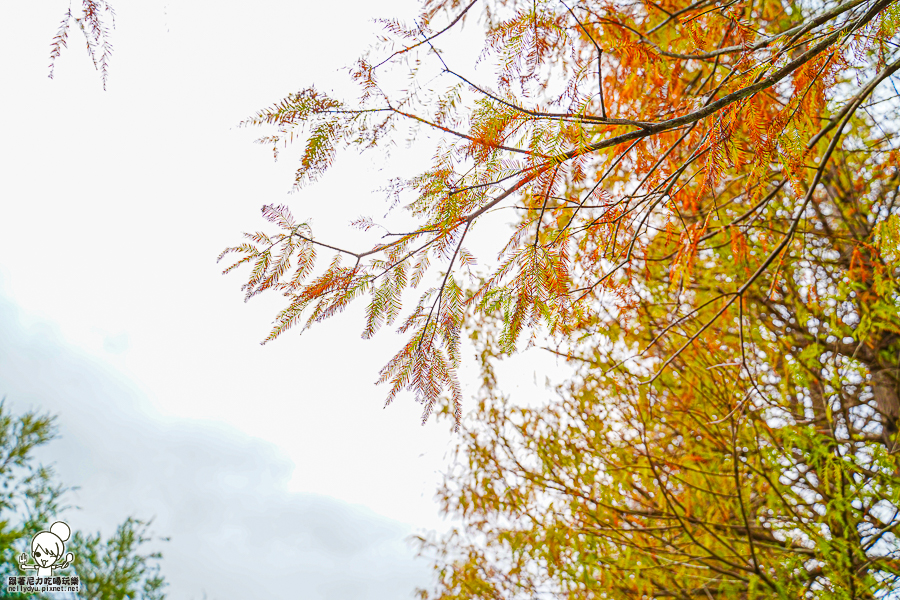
(220,495)
(116,344)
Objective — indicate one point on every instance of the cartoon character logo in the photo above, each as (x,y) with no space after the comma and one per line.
(47,549)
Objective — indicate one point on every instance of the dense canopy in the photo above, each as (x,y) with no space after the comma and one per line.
(703,200)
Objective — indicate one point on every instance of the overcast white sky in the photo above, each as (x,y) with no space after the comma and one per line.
(278,461)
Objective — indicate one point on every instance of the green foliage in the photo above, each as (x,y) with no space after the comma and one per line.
(29,497)
(117,568)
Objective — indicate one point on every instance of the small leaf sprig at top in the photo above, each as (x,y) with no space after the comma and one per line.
(96,32)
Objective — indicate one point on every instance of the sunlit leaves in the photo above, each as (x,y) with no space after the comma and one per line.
(605,128)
